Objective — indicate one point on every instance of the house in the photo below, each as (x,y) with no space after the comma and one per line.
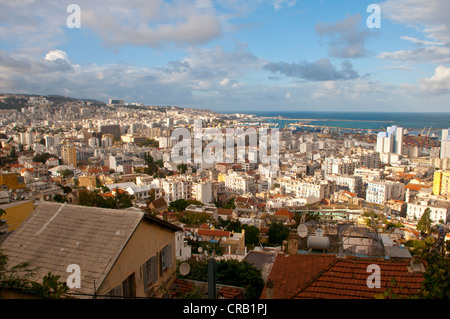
(225,213)
(158,205)
(120,253)
(325,276)
(16,212)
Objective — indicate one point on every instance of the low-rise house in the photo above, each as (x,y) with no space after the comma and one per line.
(158,205)
(119,253)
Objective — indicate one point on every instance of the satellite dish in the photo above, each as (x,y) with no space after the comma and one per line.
(319,232)
(184,269)
(302,230)
(200,250)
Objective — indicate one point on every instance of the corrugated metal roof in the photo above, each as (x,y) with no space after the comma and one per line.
(57,235)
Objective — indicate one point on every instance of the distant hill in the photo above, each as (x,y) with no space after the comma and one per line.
(18,101)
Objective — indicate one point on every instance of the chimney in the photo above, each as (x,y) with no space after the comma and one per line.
(416,265)
(292,244)
(165,216)
(269,289)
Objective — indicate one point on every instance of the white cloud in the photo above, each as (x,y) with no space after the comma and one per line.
(280,4)
(431,54)
(437,84)
(429,17)
(421,42)
(56,55)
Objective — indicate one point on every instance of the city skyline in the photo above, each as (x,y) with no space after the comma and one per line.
(231,56)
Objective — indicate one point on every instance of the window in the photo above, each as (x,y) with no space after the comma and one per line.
(129,286)
(116,292)
(150,272)
(166,257)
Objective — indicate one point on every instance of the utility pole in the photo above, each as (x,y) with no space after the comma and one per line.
(212,276)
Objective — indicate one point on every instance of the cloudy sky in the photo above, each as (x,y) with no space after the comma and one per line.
(229,55)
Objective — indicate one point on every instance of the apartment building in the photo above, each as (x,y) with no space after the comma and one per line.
(69,155)
(351,183)
(439,210)
(205,192)
(441,183)
(304,188)
(176,188)
(380,192)
(239,183)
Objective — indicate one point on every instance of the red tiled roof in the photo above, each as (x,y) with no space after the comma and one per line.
(225,211)
(285,212)
(328,277)
(211,232)
(290,272)
(347,279)
(416,187)
(183,287)
(230,293)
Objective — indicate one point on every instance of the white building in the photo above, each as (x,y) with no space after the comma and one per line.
(176,188)
(351,183)
(51,141)
(380,192)
(240,184)
(182,249)
(305,189)
(368,174)
(26,138)
(107,141)
(204,192)
(139,192)
(390,141)
(445,143)
(439,210)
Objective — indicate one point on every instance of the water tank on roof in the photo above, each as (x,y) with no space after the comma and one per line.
(318,241)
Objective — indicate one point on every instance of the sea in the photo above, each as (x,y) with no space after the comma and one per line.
(415,122)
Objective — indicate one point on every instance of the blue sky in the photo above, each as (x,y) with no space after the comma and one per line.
(232,55)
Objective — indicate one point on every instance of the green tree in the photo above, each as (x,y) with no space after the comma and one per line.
(182,168)
(42,158)
(60,198)
(195,219)
(17,276)
(251,234)
(424,224)
(230,272)
(51,287)
(277,233)
(12,153)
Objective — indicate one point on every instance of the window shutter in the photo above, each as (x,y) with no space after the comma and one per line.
(169,255)
(145,275)
(154,269)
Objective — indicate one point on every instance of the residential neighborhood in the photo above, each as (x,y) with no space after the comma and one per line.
(91,195)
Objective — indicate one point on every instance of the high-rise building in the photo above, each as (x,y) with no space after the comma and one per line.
(69,155)
(390,141)
(441,183)
(445,143)
(26,138)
